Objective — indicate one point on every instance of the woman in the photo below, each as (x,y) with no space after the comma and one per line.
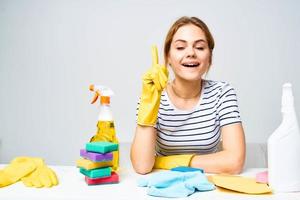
(183,122)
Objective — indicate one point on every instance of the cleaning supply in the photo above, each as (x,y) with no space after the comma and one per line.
(240,184)
(42,176)
(96,163)
(114,178)
(284,148)
(101,147)
(186,169)
(96,156)
(32,171)
(154,81)
(96,173)
(89,164)
(175,183)
(106,127)
(262,177)
(17,169)
(169,162)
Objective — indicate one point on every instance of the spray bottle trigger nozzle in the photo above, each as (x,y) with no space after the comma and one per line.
(100,91)
(95,97)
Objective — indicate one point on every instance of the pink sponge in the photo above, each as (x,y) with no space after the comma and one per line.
(262,177)
(114,178)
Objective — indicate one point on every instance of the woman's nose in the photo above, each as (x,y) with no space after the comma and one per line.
(191,52)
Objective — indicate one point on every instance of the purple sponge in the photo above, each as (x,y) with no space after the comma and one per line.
(96,156)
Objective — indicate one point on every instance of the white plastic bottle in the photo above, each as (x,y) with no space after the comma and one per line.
(284,148)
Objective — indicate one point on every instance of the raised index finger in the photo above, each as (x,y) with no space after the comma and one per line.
(154,55)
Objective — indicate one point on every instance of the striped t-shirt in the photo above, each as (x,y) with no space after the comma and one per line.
(196,130)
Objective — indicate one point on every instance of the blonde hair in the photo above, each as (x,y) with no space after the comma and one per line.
(185,21)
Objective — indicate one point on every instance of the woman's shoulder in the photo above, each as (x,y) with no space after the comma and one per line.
(213,84)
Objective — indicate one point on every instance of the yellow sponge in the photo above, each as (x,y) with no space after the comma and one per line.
(240,184)
(87,164)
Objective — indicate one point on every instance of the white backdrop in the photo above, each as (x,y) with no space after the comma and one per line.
(50,51)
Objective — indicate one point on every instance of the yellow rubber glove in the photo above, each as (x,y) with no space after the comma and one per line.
(154,81)
(17,169)
(43,176)
(169,162)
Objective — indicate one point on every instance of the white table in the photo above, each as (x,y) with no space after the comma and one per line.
(72,186)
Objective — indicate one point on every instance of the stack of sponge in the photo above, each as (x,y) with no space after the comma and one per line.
(96,163)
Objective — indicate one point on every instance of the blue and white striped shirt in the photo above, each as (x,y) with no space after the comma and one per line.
(196,130)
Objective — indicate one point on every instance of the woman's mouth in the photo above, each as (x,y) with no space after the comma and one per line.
(192,64)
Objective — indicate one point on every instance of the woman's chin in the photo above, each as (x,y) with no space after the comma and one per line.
(192,77)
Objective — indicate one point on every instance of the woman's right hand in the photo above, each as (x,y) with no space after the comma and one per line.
(154,81)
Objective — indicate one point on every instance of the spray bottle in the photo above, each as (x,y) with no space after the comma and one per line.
(105,126)
(284,148)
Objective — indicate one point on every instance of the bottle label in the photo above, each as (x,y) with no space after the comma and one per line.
(106,132)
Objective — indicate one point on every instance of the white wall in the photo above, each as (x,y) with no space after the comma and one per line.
(50,51)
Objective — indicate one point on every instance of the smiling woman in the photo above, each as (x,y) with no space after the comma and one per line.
(192,116)
(189,54)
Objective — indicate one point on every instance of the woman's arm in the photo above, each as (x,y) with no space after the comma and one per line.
(231,158)
(143,149)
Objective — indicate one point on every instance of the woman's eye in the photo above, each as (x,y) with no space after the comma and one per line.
(179,48)
(200,48)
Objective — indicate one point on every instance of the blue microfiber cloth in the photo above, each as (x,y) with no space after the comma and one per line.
(175,183)
(186,169)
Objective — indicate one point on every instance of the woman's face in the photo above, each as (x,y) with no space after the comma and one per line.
(189,54)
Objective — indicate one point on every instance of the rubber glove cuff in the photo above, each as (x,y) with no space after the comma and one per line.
(169,162)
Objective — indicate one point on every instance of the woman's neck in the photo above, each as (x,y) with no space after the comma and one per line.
(186,90)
